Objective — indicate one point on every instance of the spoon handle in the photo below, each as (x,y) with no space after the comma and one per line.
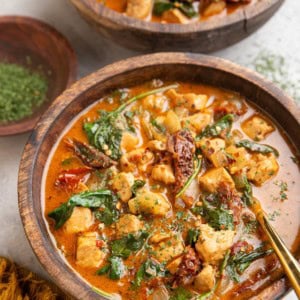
(288,262)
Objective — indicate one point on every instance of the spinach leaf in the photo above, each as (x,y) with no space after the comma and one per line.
(103,270)
(181,293)
(136,185)
(239,262)
(188,10)
(116,268)
(103,199)
(91,199)
(222,126)
(129,118)
(132,242)
(256,147)
(106,133)
(192,236)
(242,183)
(108,214)
(148,269)
(217,217)
(158,126)
(61,214)
(160,6)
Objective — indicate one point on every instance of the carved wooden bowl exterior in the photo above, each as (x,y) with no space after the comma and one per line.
(207,36)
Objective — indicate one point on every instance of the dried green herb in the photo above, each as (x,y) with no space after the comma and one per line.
(275,68)
(21,92)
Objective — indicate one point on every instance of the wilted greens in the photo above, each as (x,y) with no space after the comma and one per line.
(104,199)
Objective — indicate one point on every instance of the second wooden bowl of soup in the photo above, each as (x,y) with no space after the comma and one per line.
(138,181)
(139,29)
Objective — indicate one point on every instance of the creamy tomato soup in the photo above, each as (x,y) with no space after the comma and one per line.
(148,193)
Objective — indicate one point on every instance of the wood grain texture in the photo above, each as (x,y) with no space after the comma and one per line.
(167,66)
(34,44)
(204,37)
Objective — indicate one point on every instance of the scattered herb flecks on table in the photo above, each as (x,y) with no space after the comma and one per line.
(275,68)
(21,92)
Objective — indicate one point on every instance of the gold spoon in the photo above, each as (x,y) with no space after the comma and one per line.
(288,262)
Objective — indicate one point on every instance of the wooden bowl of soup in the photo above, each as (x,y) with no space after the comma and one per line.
(177,29)
(138,181)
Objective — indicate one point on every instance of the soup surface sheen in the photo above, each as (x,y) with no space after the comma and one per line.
(148,193)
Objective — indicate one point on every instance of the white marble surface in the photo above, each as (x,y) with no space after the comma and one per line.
(281,35)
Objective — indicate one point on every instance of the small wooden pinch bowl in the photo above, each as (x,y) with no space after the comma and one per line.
(217,32)
(39,47)
(166,66)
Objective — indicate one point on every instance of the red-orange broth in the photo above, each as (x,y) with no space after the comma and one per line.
(163,117)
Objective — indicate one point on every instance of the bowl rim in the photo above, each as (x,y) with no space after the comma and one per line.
(101,13)
(51,261)
(27,124)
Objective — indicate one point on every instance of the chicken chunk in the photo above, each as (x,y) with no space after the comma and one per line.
(174,16)
(149,203)
(163,173)
(257,128)
(173,266)
(81,219)
(197,122)
(214,150)
(205,280)
(172,122)
(146,160)
(139,158)
(209,146)
(129,141)
(122,184)
(139,9)
(210,8)
(181,112)
(88,255)
(262,168)
(212,245)
(155,103)
(155,145)
(212,179)
(195,102)
(159,237)
(191,101)
(239,158)
(169,249)
(128,224)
